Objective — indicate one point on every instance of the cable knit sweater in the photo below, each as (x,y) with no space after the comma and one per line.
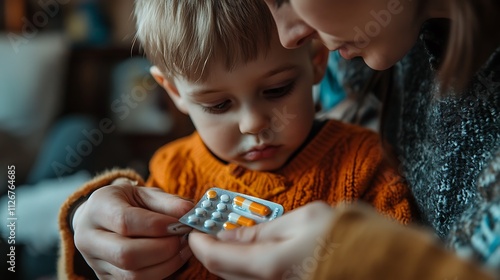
(340,163)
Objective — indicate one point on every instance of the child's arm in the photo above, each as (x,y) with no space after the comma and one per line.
(108,225)
(390,195)
(366,174)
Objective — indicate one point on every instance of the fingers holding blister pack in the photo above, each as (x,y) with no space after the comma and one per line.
(225,210)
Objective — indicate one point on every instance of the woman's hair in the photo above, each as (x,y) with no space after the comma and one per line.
(183,37)
(472,38)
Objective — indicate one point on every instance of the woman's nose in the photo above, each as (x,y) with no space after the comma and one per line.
(293,32)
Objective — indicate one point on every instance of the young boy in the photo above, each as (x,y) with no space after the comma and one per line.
(251,102)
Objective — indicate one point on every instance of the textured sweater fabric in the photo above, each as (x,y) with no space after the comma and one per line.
(447,142)
(448,145)
(341,163)
(351,241)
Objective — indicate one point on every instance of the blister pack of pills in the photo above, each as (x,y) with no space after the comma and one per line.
(221,209)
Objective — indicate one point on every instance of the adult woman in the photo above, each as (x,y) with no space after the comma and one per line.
(442,96)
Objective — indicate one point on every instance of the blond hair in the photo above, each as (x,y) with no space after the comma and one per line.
(183,37)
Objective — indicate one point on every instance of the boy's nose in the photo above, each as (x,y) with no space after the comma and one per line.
(253,122)
(293,32)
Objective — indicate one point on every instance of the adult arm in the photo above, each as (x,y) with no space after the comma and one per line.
(351,242)
(371,247)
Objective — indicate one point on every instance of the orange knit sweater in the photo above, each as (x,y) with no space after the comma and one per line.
(341,163)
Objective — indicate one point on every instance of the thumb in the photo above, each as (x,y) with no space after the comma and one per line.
(316,213)
(241,234)
(260,232)
(159,201)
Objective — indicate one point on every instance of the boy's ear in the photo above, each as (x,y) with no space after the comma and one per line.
(320,56)
(170,88)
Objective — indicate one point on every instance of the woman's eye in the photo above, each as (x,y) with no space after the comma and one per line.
(279,91)
(217,109)
(279,3)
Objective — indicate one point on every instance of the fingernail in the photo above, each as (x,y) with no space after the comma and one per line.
(185,253)
(178,228)
(186,198)
(184,239)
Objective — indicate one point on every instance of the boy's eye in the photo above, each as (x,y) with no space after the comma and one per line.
(279,91)
(217,109)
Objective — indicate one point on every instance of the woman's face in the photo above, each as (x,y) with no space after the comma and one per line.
(380,31)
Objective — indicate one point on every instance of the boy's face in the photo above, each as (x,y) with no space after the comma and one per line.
(258,114)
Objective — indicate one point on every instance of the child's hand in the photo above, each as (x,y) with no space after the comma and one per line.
(272,250)
(122,231)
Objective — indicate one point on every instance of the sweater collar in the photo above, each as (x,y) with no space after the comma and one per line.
(264,184)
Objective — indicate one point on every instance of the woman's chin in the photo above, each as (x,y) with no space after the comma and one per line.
(378,64)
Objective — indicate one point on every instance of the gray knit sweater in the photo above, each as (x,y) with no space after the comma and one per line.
(449,147)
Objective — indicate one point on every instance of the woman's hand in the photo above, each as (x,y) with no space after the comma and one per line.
(130,232)
(271,250)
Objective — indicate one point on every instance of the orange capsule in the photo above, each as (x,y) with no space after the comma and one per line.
(254,207)
(229,226)
(240,220)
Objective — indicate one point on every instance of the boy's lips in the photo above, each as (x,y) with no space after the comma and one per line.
(261,152)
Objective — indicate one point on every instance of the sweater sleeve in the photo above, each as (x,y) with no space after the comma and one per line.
(71,264)
(390,195)
(476,235)
(379,182)
(367,246)
(172,169)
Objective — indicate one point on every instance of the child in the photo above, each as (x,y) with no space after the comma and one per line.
(251,102)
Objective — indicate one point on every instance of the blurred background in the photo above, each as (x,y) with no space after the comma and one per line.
(76,98)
